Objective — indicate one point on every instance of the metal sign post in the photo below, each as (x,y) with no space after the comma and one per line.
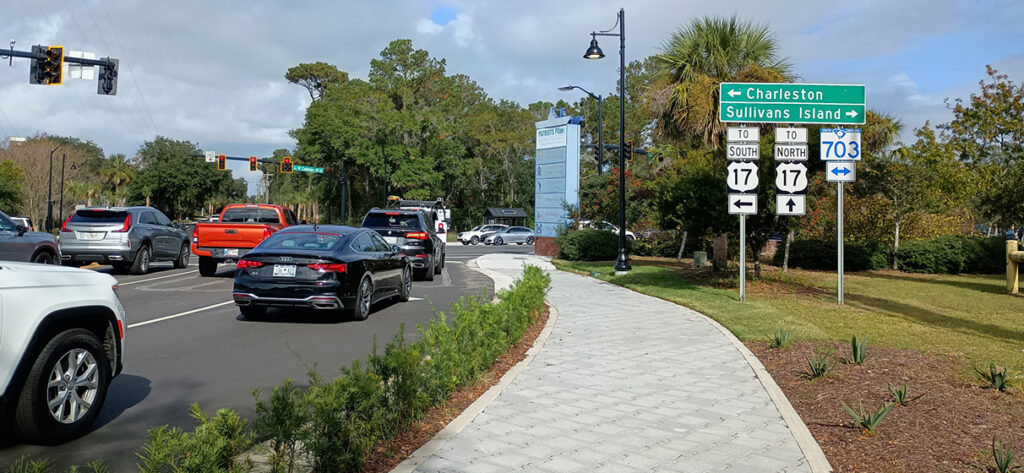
(840,243)
(743,258)
(743,150)
(840,150)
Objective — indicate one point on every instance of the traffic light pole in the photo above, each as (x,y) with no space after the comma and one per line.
(107,84)
(73,60)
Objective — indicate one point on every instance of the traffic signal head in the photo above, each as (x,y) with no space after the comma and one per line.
(252,163)
(628,150)
(53,65)
(286,165)
(35,70)
(222,162)
(107,83)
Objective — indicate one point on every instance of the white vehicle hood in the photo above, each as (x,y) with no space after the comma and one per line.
(32,275)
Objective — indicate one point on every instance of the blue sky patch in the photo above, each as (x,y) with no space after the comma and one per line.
(443,15)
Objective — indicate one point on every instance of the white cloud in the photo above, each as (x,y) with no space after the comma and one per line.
(428,27)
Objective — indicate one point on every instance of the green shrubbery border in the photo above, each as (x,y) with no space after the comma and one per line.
(946,254)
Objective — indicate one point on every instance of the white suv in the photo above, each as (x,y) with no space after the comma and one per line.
(476,235)
(61,343)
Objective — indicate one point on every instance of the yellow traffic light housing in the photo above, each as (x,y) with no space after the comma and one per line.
(286,165)
(53,65)
(252,163)
(222,162)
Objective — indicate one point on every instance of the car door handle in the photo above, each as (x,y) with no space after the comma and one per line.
(231,231)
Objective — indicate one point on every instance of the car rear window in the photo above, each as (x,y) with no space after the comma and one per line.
(99,216)
(250,215)
(397,220)
(303,241)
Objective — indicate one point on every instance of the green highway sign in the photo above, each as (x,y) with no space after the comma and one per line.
(750,102)
(309,169)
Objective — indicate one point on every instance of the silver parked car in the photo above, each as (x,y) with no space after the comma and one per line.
(517,235)
(19,244)
(125,237)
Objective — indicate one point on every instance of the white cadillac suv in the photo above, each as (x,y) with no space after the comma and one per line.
(61,342)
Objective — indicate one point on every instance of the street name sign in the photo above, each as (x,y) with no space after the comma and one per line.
(211,156)
(752,102)
(791,135)
(840,144)
(311,169)
(791,177)
(795,204)
(751,134)
(742,176)
(742,151)
(840,171)
(743,204)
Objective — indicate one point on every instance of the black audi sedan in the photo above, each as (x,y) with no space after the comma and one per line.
(324,267)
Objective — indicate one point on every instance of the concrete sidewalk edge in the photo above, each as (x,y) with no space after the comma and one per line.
(428,449)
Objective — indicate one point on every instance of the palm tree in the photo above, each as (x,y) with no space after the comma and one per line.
(695,60)
(117,171)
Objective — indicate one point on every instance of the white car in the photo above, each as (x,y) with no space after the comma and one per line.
(63,339)
(608,226)
(476,235)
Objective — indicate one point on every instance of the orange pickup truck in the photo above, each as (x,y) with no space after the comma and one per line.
(240,229)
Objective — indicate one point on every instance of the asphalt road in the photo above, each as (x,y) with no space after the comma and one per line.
(186,342)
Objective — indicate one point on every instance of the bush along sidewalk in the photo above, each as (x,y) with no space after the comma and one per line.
(333,425)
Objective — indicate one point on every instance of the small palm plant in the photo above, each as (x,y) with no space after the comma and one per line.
(868,420)
(997,379)
(780,339)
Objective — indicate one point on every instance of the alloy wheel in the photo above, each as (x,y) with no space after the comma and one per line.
(365,296)
(73,384)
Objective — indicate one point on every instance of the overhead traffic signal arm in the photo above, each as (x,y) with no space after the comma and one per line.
(47,65)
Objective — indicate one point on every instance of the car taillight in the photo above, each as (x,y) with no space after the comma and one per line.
(64,228)
(248,263)
(195,234)
(417,236)
(266,232)
(329,267)
(127,224)
(392,214)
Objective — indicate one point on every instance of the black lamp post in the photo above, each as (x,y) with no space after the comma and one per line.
(60,208)
(49,193)
(594,52)
(600,123)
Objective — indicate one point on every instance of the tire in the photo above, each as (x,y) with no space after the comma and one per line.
(474,240)
(44,257)
(630,238)
(498,241)
(519,243)
(364,300)
(252,312)
(464,243)
(207,266)
(439,267)
(33,417)
(406,284)
(182,260)
(141,263)
(530,240)
(428,273)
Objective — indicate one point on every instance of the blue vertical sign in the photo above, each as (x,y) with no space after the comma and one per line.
(557,174)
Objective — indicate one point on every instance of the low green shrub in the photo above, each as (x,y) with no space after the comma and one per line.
(994,378)
(282,420)
(953,255)
(661,244)
(900,394)
(820,362)
(859,255)
(588,245)
(212,447)
(859,349)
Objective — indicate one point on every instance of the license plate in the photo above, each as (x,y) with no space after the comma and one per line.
(231,252)
(90,235)
(391,240)
(284,270)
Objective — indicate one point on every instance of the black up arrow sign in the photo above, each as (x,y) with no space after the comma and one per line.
(791,204)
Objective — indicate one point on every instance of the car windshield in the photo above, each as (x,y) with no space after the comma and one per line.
(99,216)
(302,240)
(250,215)
(476,228)
(397,220)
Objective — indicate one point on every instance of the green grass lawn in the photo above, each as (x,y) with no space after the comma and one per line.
(969,317)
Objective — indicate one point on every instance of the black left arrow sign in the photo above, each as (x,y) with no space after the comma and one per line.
(743,203)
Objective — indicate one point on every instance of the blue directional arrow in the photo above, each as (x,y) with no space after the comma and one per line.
(840,171)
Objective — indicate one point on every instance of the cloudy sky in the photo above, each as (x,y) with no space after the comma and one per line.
(212,71)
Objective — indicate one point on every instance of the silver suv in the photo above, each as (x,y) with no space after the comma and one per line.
(17,243)
(125,237)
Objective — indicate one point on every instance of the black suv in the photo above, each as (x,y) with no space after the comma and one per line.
(412,233)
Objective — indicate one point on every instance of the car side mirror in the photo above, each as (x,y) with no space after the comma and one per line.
(21,229)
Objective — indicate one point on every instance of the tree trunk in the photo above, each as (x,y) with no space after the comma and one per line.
(756,248)
(147,201)
(896,245)
(785,251)
(679,257)
(720,252)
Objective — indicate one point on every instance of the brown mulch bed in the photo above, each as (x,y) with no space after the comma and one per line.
(949,428)
(389,453)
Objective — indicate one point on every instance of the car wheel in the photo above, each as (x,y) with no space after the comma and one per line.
(474,240)
(44,257)
(438,267)
(207,266)
(364,299)
(498,241)
(65,388)
(529,240)
(630,237)
(252,312)
(183,256)
(141,263)
(428,272)
(406,289)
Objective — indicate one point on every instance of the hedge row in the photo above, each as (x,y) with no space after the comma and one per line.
(589,244)
(947,254)
(335,424)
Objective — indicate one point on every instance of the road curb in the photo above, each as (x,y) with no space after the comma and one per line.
(428,449)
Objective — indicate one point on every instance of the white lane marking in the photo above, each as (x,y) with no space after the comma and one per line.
(193,311)
(154,279)
(415,298)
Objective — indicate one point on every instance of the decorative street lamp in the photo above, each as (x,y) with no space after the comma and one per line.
(49,192)
(600,123)
(594,52)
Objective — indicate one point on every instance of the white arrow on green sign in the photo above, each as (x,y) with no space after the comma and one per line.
(308,169)
(752,102)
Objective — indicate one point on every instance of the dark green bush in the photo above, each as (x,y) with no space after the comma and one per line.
(860,255)
(954,255)
(662,244)
(588,245)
